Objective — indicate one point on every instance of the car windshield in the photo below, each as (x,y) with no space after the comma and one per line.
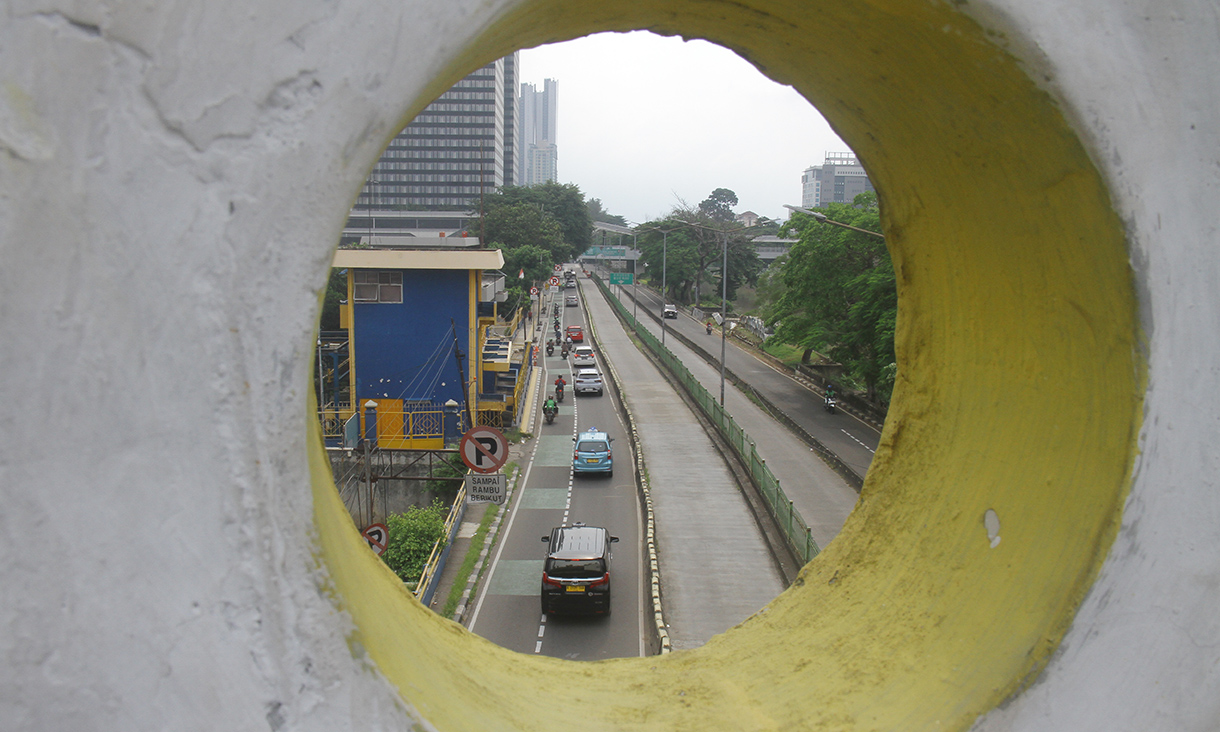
(592,446)
(576,568)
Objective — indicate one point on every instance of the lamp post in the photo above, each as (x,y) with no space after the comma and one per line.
(822,218)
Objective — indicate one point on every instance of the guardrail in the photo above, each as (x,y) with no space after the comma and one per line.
(796,531)
(845,471)
(435,566)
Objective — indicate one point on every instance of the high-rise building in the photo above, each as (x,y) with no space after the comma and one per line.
(539,133)
(839,179)
(462,144)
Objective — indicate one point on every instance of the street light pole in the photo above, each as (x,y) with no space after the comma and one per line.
(822,218)
(724,311)
(635,282)
(664,279)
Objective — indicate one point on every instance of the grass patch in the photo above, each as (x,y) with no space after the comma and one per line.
(514,435)
(472,556)
(789,355)
(473,552)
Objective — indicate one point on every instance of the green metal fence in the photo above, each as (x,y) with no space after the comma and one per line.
(796,531)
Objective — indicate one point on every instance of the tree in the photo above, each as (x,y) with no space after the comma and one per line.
(670,255)
(597,213)
(336,292)
(412,536)
(562,202)
(698,250)
(839,294)
(719,205)
(509,225)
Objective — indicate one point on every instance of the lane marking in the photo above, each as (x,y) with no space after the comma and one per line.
(861,444)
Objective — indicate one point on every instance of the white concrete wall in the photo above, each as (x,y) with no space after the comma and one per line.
(171,177)
(1139,80)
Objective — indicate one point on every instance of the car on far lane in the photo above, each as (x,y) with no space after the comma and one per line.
(576,333)
(670,311)
(570,302)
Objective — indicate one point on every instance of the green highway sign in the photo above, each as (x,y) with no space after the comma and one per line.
(621,278)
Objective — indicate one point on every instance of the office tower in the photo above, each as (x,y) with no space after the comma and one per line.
(461,144)
(539,133)
(839,179)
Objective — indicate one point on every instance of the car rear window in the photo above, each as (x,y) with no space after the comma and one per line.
(576,568)
(592,446)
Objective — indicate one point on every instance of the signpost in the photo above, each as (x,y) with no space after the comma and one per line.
(622,278)
(484,449)
(487,488)
(534,291)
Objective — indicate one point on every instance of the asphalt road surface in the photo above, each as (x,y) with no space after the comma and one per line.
(507,611)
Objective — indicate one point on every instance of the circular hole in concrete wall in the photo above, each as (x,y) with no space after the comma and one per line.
(910,618)
(422,196)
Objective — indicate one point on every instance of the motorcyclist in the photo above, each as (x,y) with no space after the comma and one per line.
(550,346)
(550,408)
(709,327)
(560,383)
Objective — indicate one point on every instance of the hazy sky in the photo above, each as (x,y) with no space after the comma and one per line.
(646,120)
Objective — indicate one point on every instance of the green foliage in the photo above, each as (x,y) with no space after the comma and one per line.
(336,291)
(446,470)
(511,225)
(839,296)
(412,536)
(696,247)
(597,213)
(562,204)
(719,205)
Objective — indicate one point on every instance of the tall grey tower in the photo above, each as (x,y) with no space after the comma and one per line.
(462,144)
(839,179)
(539,133)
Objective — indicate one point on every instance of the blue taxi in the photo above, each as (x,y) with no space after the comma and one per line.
(592,453)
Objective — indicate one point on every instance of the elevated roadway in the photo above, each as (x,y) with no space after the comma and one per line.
(818,493)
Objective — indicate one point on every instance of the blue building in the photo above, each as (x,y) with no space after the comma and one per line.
(422,331)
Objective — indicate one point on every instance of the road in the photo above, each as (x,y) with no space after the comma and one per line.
(507,611)
(852,440)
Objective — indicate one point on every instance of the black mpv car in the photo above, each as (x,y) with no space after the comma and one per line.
(576,575)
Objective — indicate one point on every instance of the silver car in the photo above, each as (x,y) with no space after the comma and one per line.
(588,380)
(583,356)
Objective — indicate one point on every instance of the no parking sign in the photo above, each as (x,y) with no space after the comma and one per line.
(484,449)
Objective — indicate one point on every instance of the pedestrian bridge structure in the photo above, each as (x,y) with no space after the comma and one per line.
(1035,545)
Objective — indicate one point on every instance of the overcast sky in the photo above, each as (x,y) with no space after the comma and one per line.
(646,120)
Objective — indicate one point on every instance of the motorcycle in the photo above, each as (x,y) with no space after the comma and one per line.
(549,413)
(831,402)
(564,350)
(559,393)
(550,348)
(709,328)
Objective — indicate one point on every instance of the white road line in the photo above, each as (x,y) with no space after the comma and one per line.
(861,444)
(505,530)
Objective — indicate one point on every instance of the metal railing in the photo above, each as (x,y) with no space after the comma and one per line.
(796,530)
(435,566)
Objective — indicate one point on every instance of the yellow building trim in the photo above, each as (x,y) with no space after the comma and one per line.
(346,313)
(1019,392)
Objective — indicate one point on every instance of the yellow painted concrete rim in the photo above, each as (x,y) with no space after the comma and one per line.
(1015,294)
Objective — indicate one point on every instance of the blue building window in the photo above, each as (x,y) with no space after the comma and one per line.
(377,285)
